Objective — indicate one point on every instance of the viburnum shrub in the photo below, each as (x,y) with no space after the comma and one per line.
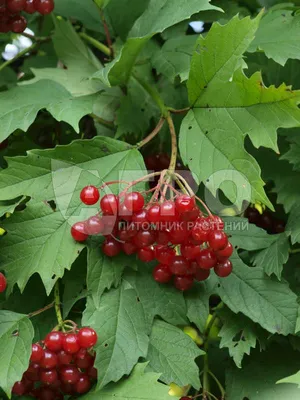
(149,199)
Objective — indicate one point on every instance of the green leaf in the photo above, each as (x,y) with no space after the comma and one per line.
(258,378)
(229,42)
(103,272)
(268,302)
(207,148)
(174,57)
(295,379)
(101,3)
(140,385)
(156,299)
(239,334)
(293,155)
(247,236)
(20,105)
(273,258)
(293,225)
(9,206)
(159,16)
(16,334)
(120,322)
(172,353)
(278,35)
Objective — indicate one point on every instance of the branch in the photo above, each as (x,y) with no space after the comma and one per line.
(57,306)
(94,42)
(34,313)
(174,152)
(108,124)
(19,55)
(180,111)
(155,131)
(107,34)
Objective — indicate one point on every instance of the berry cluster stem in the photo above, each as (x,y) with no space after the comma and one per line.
(107,34)
(174,152)
(57,306)
(152,135)
(41,310)
(98,45)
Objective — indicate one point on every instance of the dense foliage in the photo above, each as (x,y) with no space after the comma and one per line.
(118,111)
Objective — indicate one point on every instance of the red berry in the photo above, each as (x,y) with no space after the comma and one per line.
(49,360)
(54,341)
(49,376)
(224,254)
(123,213)
(144,239)
(83,359)
(44,6)
(178,233)
(3,283)
(223,268)
(164,255)
(89,195)
(30,7)
(190,215)
(111,248)
(127,233)
(33,372)
(109,204)
(189,251)
(19,388)
(146,254)
(37,353)
(78,231)
(15,6)
(69,374)
(207,259)
(18,24)
(192,268)
(163,238)
(185,203)
(179,265)
(71,343)
(140,220)
(87,337)
(67,388)
(64,358)
(83,385)
(217,240)
(201,229)
(168,212)
(92,373)
(153,214)
(185,398)
(134,201)
(216,223)
(94,225)
(201,274)
(183,283)
(162,273)
(46,394)
(129,248)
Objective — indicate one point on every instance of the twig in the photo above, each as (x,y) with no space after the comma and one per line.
(108,124)
(180,111)
(98,45)
(294,251)
(40,311)
(36,38)
(57,306)
(174,152)
(19,55)
(107,34)
(155,131)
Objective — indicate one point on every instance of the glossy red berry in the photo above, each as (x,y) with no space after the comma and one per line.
(18,24)
(162,238)
(223,269)
(183,283)
(83,385)
(217,240)
(64,358)
(134,201)
(168,212)
(111,248)
(201,230)
(19,388)
(49,360)
(144,239)
(164,254)
(3,283)
(179,265)
(123,213)
(69,374)
(225,253)
(153,214)
(216,223)
(207,259)
(146,254)
(46,393)
(89,195)
(54,341)
(185,203)
(94,226)
(139,219)
(190,216)
(201,274)
(127,233)
(37,353)
(49,376)
(78,232)
(179,233)
(109,204)
(71,343)
(162,273)
(83,359)
(33,372)
(15,6)
(92,373)
(189,251)
(30,7)
(87,337)
(129,248)
(44,6)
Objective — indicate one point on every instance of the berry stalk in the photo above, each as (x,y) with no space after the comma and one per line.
(57,306)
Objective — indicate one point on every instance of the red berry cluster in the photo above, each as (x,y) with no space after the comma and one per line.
(62,365)
(186,244)
(266,220)
(3,283)
(12,20)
